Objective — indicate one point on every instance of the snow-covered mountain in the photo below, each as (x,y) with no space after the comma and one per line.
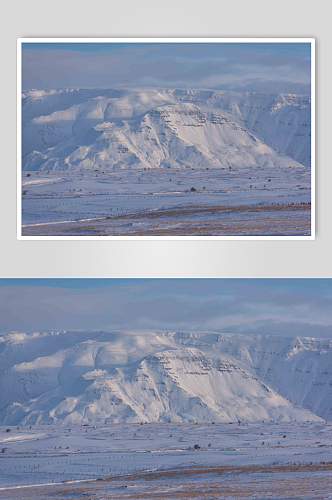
(67,377)
(161,128)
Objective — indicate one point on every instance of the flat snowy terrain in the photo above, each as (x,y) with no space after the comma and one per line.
(165,162)
(167,461)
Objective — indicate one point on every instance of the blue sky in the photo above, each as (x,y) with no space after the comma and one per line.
(288,307)
(263,67)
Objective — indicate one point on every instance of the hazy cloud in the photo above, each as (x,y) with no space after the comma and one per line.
(265,67)
(282,306)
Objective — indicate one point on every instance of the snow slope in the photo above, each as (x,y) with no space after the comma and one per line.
(80,377)
(163,128)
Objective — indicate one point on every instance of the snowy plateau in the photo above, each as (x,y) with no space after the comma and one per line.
(165,162)
(164,415)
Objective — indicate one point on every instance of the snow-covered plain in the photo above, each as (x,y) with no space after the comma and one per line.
(165,162)
(254,461)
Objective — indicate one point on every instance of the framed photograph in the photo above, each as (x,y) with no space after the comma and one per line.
(166,138)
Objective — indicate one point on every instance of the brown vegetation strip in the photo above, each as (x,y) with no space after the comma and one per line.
(193,210)
(240,220)
(283,481)
(224,470)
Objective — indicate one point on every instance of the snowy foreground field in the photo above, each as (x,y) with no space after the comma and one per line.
(253,201)
(262,460)
(165,162)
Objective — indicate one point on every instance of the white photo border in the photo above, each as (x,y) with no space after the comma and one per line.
(20,41)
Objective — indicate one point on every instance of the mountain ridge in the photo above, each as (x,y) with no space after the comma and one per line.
(163,128)
(125,376)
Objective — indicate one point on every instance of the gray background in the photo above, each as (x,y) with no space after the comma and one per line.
(160,18)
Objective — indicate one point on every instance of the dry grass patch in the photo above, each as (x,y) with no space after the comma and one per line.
(251,482)
(193,220)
